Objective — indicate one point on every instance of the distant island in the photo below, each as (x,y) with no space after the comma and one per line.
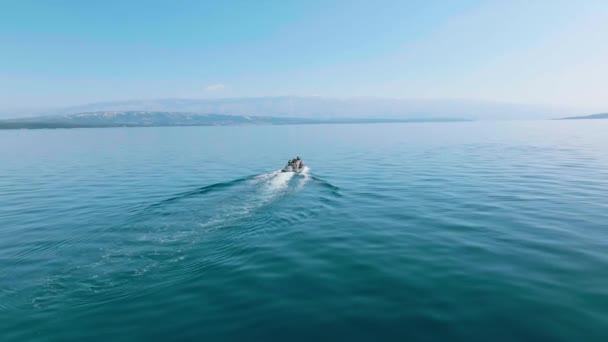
(587,117)
(154,119)
(315,107)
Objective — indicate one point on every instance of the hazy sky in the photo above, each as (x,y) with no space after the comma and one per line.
(55,53)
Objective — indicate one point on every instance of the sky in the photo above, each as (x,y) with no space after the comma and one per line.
(62,53)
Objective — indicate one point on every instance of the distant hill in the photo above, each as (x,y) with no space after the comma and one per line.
(316,107)
(150,119)
(587,117)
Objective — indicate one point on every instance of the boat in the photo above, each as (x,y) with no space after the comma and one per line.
(294,165)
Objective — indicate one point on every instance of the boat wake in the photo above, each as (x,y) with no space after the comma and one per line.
(305,177)
(219,204)
(215,220)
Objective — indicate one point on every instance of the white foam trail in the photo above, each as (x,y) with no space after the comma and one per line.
(279,182)
(264,176)
(264,189)
(305,177)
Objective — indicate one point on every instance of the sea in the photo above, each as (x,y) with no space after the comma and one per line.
(460,231)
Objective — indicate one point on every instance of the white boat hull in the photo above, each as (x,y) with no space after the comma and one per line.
(290,169)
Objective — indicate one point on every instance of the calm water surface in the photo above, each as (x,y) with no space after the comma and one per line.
(480,231)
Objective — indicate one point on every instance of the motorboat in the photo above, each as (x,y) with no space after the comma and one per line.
(294,165)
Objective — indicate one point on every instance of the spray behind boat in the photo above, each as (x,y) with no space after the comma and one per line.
(294,165)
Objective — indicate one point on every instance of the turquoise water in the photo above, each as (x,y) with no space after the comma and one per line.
(475,231)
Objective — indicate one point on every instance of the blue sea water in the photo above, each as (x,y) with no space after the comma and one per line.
(471,231)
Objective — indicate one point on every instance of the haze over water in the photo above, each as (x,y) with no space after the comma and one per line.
(473,231)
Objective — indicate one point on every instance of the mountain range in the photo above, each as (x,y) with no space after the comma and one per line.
(314,107)
(155,118)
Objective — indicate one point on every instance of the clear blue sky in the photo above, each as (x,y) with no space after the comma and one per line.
(55,53)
